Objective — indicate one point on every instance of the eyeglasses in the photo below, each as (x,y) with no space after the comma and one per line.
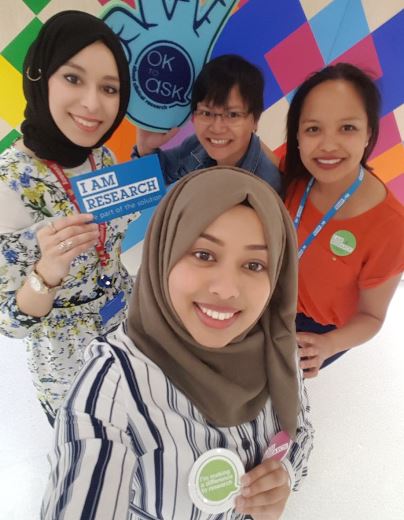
(229,117)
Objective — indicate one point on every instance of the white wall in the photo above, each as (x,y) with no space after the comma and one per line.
(357,466)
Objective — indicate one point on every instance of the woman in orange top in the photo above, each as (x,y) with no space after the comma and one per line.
(350,227)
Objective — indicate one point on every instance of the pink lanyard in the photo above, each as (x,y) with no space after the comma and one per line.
(61,176)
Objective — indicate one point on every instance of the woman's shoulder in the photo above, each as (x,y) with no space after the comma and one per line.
(12,156)
(117,343)
(394,206)
(188,145)
(378,209)
(375,191)
(378,200)
(18,158)
(17,168)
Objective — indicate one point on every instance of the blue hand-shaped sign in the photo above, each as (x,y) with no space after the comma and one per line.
(166,42)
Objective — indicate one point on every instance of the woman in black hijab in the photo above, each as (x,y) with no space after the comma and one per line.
(62,281)
(63,36)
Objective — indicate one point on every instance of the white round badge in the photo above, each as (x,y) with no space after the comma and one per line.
(214,480)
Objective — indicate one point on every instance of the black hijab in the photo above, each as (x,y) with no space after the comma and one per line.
(61,37)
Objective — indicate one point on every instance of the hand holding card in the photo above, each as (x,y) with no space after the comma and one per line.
(120,189)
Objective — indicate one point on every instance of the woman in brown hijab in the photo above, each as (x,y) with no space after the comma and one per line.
(207,359)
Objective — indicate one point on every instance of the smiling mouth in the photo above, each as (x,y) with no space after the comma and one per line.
(216,319)
(86,124)
(216,315)
(329,162)
(219,142)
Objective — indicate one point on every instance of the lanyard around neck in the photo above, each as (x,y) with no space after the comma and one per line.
(330,213)
(58,171)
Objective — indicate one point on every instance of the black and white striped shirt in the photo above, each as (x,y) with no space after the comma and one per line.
(126,440)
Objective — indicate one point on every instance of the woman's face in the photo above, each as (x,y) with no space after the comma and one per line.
(225,140)
(84,95)
(333,132)
(220,287)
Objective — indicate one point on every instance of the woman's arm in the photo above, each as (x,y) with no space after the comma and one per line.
(93,461)
(174,162)
(78,235)
(22,308)
(148,142)
(372,309)
(266,489)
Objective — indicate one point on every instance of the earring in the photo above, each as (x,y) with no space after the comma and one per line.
(33,79)
(366,144)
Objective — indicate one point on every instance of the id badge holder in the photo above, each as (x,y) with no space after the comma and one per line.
(112,307)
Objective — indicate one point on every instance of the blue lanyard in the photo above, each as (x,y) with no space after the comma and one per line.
(328,216)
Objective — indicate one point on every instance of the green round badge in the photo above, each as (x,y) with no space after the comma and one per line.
(343,243)
(214,480)
(218,480)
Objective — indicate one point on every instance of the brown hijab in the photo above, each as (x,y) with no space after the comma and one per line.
(232,384)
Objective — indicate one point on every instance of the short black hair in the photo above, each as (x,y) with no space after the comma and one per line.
(368,92)
(221,74)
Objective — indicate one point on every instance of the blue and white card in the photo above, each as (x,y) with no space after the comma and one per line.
(120,189)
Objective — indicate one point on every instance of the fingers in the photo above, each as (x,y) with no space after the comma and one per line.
(310,366)
(148,141)
(310,374)
(171,133)
(263,488)
(67,233)
(51,224)
(75,243)
(61,241)
(307,352)
(75,218)
(65,245)
(310,356)
(305,338)
(56,225)
(75,235)
(158,140)
(270,469)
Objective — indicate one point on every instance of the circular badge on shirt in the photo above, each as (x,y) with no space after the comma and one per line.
(343,243)
(214,480)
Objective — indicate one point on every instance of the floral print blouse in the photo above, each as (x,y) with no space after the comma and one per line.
(30,194)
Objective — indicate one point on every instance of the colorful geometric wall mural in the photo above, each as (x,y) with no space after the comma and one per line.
(288,39)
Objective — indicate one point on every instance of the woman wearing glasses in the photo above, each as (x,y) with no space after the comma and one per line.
(227,102)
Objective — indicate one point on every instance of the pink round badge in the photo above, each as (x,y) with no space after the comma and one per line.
(279,446)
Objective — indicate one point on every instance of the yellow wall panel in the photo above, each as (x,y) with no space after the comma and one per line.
(12,102)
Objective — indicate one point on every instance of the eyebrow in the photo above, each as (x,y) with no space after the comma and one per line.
(355,118)
(250,247)
(81,69)
(226,107)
